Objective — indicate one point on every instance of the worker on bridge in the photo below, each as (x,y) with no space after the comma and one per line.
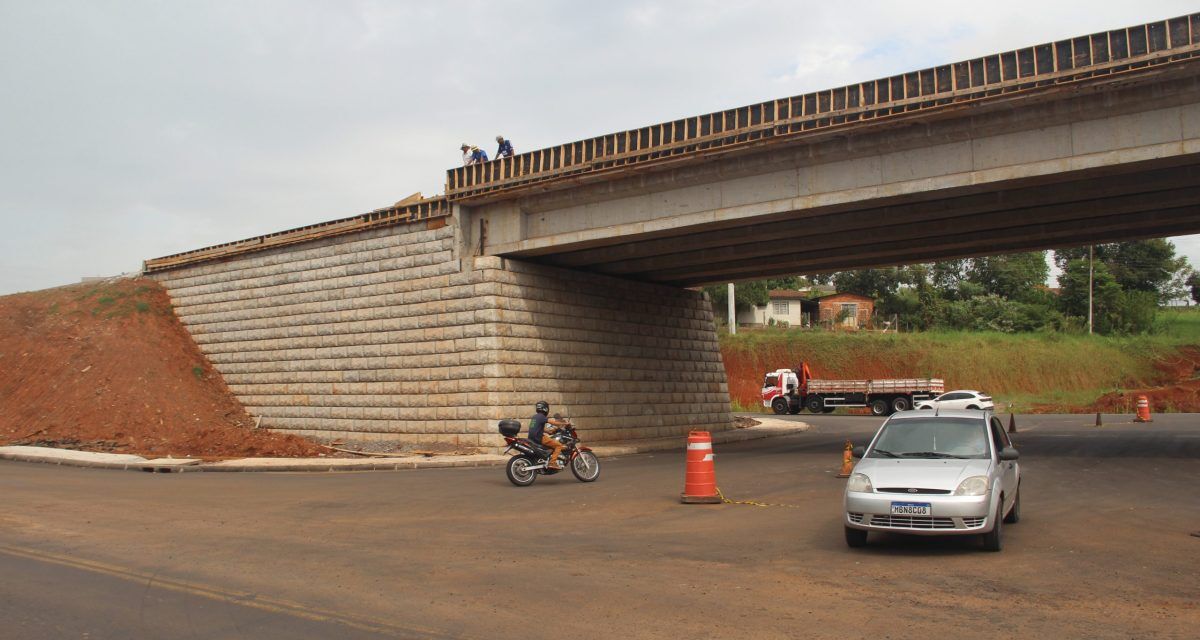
(505,149)
(473,154)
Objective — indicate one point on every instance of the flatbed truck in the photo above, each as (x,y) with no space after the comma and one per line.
(792,390)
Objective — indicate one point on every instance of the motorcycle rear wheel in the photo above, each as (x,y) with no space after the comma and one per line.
(518,471)
(585,466)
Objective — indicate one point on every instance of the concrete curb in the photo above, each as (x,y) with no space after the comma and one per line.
(94,460)
(769,427)
(351,464)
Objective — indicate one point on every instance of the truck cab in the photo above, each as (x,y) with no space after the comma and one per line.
(782,391)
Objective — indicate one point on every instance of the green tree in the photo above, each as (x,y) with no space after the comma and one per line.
(1073,298)
(947,276)
(1193,284)
(1016,276)
(1115,310)
(750,293)
(994,313)
(873,283)
(1140,265)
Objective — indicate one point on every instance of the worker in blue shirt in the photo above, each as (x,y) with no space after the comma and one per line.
(505,150)
(478,155)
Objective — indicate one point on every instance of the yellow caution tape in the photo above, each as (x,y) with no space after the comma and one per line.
(754,503)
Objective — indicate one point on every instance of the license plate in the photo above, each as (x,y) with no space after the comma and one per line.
(912,509)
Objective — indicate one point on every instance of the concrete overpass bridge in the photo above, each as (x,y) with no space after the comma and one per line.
(560,273)
(1084,140)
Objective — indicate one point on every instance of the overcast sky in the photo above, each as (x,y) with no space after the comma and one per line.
(132,130)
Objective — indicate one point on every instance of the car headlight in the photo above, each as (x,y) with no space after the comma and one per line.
(973,486)
(859,483)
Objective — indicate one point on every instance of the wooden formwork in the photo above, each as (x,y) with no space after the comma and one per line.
(404,212)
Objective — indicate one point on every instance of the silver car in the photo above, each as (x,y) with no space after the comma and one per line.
(945,472)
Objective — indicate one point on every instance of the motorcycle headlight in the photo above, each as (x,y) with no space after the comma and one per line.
(973,486)
(859,483)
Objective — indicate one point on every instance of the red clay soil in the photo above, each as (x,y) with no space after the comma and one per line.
(108,367)
(1182,396)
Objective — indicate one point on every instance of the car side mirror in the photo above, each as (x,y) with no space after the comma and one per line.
(1009,453)
(858,452)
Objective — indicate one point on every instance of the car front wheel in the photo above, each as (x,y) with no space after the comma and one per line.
(992,539)
(1014,514)
(855,538)
(779,406)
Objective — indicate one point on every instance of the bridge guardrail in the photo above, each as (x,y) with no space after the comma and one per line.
(1067,60)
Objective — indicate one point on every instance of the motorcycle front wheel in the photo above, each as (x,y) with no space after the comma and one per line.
(518,471)
(586,466)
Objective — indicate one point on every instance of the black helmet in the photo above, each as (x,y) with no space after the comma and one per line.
(542,407)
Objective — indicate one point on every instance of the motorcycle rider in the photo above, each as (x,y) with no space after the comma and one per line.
(538,432)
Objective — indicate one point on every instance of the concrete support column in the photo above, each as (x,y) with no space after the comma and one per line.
(732,311)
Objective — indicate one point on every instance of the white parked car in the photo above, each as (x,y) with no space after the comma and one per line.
(961,399)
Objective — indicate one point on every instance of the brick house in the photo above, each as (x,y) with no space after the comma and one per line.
(848,310)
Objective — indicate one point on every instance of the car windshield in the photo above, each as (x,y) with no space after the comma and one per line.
(770,381)
(932,437)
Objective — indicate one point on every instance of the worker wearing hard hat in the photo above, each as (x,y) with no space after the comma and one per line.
(505,150)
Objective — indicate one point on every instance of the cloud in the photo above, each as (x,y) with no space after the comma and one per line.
(142,128)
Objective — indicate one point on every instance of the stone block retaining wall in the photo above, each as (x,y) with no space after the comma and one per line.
(387,335)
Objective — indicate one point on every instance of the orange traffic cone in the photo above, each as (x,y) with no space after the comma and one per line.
(1143,410)
(700,480)
(847,461)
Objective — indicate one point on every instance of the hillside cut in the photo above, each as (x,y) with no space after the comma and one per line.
(108,367)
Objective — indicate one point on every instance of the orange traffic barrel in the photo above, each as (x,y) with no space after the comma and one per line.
(1143,410)
(700,479)
(847,461)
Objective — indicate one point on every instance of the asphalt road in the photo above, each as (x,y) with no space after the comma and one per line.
(1103,549)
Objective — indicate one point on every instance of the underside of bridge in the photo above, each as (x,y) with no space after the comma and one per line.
(1153,198)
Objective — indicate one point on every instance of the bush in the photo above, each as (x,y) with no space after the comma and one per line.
(1132,313)
(993,313)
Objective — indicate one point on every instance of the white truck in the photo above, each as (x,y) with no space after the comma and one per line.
(791,390)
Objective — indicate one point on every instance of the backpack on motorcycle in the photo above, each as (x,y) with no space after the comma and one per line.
(510,427)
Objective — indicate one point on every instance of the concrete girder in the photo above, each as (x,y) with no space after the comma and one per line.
(832,244)
(1109,228)
(934,256)
(835,237)
(923,208)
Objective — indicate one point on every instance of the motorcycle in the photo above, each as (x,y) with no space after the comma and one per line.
(531,459)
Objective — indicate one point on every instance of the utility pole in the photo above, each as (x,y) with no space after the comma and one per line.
(1091,272)
(732,313)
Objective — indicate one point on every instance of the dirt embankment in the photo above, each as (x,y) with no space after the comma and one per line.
(108,367)
(1181,395)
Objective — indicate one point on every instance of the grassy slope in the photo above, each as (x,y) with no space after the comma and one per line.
(1024,369)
